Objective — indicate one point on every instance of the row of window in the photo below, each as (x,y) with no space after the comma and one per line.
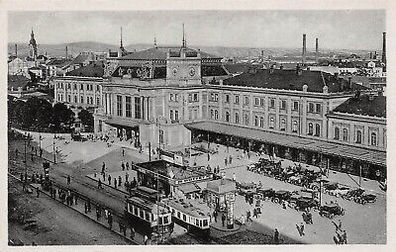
(359,135)
(128,106)
(174,97)
(259,102)
(89,87)
(147,215)
(193,97)
(192,220)
(82,100)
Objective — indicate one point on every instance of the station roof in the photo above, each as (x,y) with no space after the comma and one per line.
(363,105)
(90,70)
(160,52)
(371,156)
(288,79)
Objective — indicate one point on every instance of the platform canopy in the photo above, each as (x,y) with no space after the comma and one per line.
(362,154)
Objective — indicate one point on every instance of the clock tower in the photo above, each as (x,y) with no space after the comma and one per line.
(183,67)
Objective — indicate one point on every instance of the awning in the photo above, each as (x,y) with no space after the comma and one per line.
(122,122)
(361,154)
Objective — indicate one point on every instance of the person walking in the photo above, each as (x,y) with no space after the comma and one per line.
(123,152)
(103,167)
(68,179)
(127,166)
(100,184)
(119,181)
(109,179)
(225,162)
(223,218)
(110,220)
(344,237)
(38,192)
(89,205)
(215,215)
(276,236)
(302,227)
(85,208)
(41,153)
(115,183)
(122,166)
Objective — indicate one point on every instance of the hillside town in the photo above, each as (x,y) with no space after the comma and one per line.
(174,145)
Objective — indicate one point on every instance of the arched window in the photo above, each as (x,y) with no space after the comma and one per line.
(211,113)
(236,117)
(246,119)
(272,123)
(359,136)
(82,99)
(317,130)
(310,129)
(216,114)
(91,100)
(336,133)
(283,125)
(97,101)
(261,122)
(374,139)
(295,127)
(256,121)
(345,134)
(227,117)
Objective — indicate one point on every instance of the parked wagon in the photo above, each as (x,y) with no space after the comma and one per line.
(331,210)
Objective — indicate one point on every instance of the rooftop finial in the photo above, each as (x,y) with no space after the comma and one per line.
(184,44)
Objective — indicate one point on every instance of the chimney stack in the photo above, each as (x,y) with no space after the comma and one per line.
(66,53)
(304,48)
(384,47)
(371,55)
(317,51)
(16,50)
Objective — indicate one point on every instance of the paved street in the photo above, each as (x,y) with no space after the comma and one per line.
(365,217)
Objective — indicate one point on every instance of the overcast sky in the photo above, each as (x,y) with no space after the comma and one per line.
(358,29)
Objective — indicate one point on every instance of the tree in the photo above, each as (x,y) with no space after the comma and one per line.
(62,116)
(44,115)
(86,118)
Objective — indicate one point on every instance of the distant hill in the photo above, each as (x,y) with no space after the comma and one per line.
(56,50)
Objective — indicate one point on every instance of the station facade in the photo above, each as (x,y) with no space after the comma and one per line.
(169,97)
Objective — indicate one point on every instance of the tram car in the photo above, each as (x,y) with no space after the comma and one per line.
(148,217)
(190,214)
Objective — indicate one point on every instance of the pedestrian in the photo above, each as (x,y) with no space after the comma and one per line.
(127,166)
(110,220)
(218,169)
(38,192)
(132,233)
(225,161)
(233,176)
(100,184)
(344,237)
(123,152)
(41,152)
(75,199)
(32,157)
(255,213)
(109,179)
(145,239)
(215,215)
(230,159)
(119,181)
(106,214)
(248,215)
(123,166)
(124,229)
(68,179)
(126,177)
(208,156)
(85,208)
(276,236)
(222,219)
(302,227)
(115,183)
(103,168)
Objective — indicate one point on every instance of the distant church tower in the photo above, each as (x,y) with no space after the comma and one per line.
(33,46)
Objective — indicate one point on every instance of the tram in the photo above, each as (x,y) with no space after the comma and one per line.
(192,215)
(148,216)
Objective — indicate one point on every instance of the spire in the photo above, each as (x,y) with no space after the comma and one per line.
(184,43)
(32,33)
(121,46)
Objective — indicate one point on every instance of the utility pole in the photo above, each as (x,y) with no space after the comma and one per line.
(149,145)
(360,175)
(53,149)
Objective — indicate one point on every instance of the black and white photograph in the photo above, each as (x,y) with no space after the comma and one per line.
(196,127)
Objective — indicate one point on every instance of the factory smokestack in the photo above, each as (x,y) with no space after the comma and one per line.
(67,53)
(304,51)
(16,50)
(384,47)
(317,51)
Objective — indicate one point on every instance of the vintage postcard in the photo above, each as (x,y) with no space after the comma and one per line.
(209,126)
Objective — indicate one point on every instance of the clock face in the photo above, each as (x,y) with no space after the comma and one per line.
(174,71)
(191,71)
